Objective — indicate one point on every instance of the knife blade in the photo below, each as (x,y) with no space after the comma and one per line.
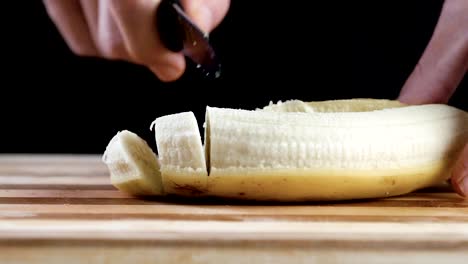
(179,33)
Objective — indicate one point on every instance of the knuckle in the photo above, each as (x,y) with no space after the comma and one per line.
(123,6)
(81,50)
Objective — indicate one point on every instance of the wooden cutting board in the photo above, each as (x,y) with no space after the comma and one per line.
(62,209)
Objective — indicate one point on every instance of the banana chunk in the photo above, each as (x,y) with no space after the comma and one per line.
(132,164)
(181,154)
(332,155)
(300,151)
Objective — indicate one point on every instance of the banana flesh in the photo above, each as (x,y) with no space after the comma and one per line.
(181,154)
(132,164)
(345,105)
(328,156)
(299,151)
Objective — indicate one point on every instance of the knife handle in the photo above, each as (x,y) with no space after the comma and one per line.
(171,33)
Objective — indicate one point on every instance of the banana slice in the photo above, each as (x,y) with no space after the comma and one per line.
(181,154)
(299,151)
(133,166)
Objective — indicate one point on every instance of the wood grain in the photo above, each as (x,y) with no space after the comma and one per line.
(62,209)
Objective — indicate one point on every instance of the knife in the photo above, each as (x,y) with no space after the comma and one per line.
(179,33)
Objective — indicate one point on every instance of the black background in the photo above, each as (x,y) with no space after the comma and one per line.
(339,49)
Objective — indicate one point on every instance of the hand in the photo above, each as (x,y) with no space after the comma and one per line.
(441,69)
(126,30)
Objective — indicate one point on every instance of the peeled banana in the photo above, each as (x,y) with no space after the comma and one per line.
(294,151)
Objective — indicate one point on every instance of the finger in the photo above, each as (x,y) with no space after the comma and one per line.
(444,62)
(460,174)
(135,19)
(166,74)
(207,14)
(70,22)
(90,11)
(110,41)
